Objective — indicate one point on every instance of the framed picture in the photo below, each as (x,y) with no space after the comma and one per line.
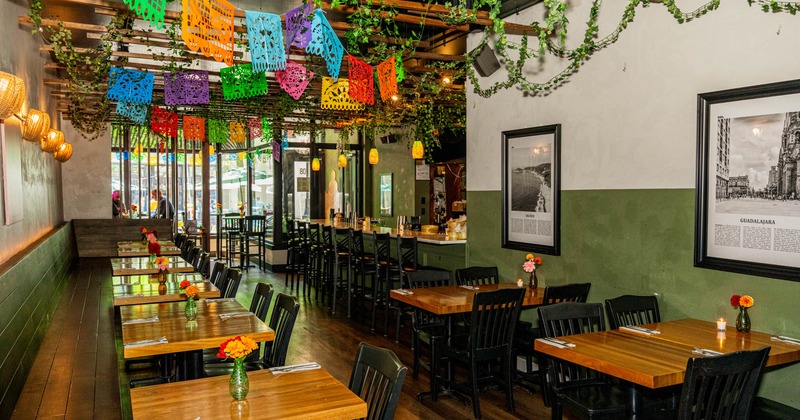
(748,189)
(386,194)
(532,189)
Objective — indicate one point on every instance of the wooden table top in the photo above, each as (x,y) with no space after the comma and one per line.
(656,361)
(445,300)
(141,265)
(139,244)
(143,252)
(127,288)
(425,238)
(310,394)
(209,332)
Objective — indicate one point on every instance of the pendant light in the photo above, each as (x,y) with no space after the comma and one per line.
(417,150)
(342,162)
(373,156)
(315,164)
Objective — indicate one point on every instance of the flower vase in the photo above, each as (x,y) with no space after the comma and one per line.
(239,385)
(191,309)
(743,320)
(533,282)
(153,258)
(162,277)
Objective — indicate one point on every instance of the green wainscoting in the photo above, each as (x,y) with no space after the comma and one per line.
(31,284)
(642,242)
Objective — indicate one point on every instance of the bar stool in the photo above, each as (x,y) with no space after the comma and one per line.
(299,255)
(314,261)
(232,230)
(327,260)
(254,230)
(362,263)
(342,261)
(406,262)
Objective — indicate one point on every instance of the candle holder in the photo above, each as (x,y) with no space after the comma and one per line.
(722,325)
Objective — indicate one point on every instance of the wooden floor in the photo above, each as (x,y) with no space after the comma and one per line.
(77,374)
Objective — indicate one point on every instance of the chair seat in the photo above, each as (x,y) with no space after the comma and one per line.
(596,400)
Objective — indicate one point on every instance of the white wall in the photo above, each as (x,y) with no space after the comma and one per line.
(628,115)
(87,176)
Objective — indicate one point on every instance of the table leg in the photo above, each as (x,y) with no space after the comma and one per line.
(634,397)
(446,389)
(189,365)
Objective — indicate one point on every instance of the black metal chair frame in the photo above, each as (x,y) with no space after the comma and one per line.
(428,328)
(378,378)
(632,310)
(476,276)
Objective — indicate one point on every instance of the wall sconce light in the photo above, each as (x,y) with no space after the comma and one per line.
(51,141)
(373,156)
(315,164)
(35,125)
(342,162)
(64,152)
(417,150)
(12,94)
(446,80)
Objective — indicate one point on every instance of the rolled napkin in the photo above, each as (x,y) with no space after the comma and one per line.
(403,291)
(785,339)
(162,340)
(468,287)
(556,342)
(208,301)
(235,315)
(294,368)
(638,329)
(707,352)
(141,320)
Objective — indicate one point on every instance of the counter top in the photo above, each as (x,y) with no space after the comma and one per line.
(424,238)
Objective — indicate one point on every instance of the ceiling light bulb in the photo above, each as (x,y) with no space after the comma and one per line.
(395,98)
(446,80)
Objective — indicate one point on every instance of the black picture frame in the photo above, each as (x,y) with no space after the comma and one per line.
(741,226)
(531,208)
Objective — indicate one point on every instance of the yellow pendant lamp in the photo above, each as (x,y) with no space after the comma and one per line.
(417,150)
(36,125)
(12,94)
(315,164)
(342,161)
(52,141)
(64,152)
(373,156)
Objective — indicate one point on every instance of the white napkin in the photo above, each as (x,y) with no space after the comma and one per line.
(162,340)
(707,352)
(640,330)
(209,301)
(785,339)
(294,368)
(141,320)
(556,342)
(235,315)
(403,291)
(468,287)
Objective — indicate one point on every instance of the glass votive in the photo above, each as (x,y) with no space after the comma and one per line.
(520,283)
(721,324)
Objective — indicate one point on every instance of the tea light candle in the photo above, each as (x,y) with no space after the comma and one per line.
(721,324)
(520,283)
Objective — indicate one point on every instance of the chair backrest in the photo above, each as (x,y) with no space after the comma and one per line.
(262,298)
(314,234)
(357,242)
(255,225)
(232,224)
(407,253)
(476,276)
(378,378)
(302,233)
(201,261)
(327,237)
(574,292)
(282,322)
(420,318)
(383,247)
(568,318)
(722,387)
(342,240)
(192,255)
(492,322)
(187,246)
(179,239)
(231,284)
(632,310)
(216,272)
(291,231)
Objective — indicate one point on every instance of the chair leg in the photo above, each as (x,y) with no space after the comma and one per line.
(476,405)
(509,375)
(415,344)
(434,371)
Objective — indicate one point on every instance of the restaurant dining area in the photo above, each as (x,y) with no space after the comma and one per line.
(493,209)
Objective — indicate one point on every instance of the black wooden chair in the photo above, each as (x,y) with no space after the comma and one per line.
(407,261)
(384,267)
(428,327)
(526,334)
(476,276)
(363,266)
(491,334)
(632,310)
(378,378)
(215,275)
(342,262)
(254,231)
(232,233)
(229,284)
(282,322)
(722,387)
(586,392)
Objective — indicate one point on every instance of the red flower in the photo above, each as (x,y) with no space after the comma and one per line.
(184,284)
(154,248)
(221,353)
(735,301)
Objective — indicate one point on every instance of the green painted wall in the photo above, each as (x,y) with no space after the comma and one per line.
(396,159)
(642,242)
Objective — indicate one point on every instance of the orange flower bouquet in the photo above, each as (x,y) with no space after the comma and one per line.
(237,348)
(191,292)
(743,319)
(531,262)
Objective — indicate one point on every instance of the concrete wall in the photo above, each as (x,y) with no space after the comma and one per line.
(41,178)
(87,177)
(628,146)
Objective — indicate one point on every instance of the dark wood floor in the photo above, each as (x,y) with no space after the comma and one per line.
(77,374)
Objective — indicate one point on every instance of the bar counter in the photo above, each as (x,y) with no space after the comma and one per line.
(423,238)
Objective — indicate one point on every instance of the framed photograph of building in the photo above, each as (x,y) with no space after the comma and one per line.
(748,188)
(532,189)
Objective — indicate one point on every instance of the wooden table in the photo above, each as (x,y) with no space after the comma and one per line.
(141,265)
(137,249)
(142,289)
(208,331)
(310,394)
(448,300)
(657,361)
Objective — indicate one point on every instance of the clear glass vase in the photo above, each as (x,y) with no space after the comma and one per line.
(533,282)
(239,385)
(152,259)
(743,320)
(191,309)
